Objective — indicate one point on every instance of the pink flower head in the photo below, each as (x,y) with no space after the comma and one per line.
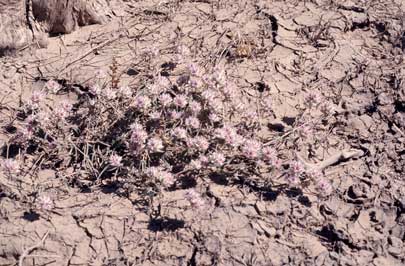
(293,179)
(194,83)
(216,104)
(142,102)
(192,122)
(229,91)
(36,98)
(324,186)
(194,106)
(162,176)
(179,133)
(43,117)
(180,101)
(198,143)
(209,95)
(251,149)
(138,134)
(217,159)
(45,202)
(155,115)
(95,90)
(269,154)
(213,117)
(195,164)
(162,82)
(194,69)
(229,135)
(155,144)
(110,93)
(63,110)
(167,178)
(115,160)
(11,167)
(125,91)
(296,168)
(198,164)
(28,131)
(175,115)
(53,86)
(312,98)
(194,198)
(165,99)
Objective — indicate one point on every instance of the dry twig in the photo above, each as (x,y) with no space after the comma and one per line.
(32,248)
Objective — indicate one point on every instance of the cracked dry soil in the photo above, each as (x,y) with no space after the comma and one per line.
(350,51)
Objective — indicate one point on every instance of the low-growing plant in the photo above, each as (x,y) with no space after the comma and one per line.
(148,138)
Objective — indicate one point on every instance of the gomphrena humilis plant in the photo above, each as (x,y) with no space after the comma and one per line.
(148,138)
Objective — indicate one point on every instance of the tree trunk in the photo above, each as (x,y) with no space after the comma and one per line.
(22,21)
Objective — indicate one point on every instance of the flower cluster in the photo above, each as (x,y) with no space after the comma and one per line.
(11,167)
(195,199)
(162,176)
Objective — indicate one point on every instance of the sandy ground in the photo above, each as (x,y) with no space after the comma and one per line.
(352,53)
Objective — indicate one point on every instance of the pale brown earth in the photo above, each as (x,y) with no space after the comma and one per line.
(350,51)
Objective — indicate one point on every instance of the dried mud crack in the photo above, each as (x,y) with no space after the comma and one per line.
(202,133)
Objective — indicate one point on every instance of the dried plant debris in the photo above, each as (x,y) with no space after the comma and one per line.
(205,133)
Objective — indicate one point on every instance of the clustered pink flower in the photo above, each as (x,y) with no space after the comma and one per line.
(63,110)
(324,186)
(11,166)
(294,172)
(217,159)
(180,101)
(194,106)
(138,134)
(175,115)
(229,91)
(213,117)
(125,91)
(195,199)
(95,90)
(155,115)
(269,154)
(155,144)
(192,122)
(216,104)
(45,202)
(142,102)
(179,133)
(297,167)
(164,177)
(199,163)
(229,135)
(115,160)
(36,98)
(53,86)
(110,93)
(165,99)
(208,95)
(251,149)
(194,69)
(43,117)
(198,143)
